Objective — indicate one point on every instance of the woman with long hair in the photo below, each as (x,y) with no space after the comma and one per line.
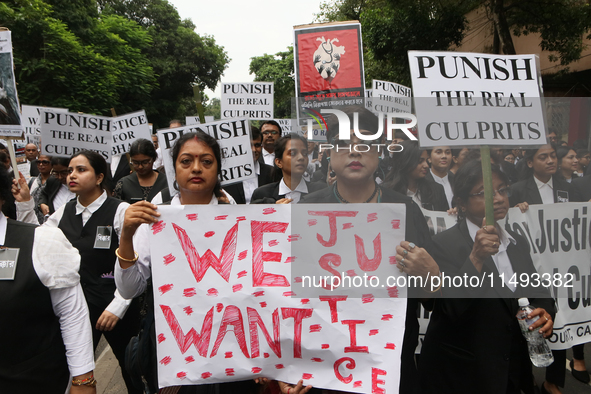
(408,176)
(197,165)
(567,163)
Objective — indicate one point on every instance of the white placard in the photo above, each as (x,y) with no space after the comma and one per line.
(10,118)
(477,99)
(31,116)
(253,100)
(189,120)
(390,97)
(65,133)
(286,125)
(233,136)
(128,128)
(225,310)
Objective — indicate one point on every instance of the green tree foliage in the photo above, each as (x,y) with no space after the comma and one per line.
(213,108)
(277,68)
(179,56)
(89,57)
(561,24)
(391,28)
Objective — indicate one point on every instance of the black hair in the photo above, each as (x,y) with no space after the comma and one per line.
(5,185)
(255,133)
(3,147)
(207,140)
(367,120)
(280,146)
(99,165)
(142,146)
(467,177)
(60,161)
(403,163)
(271,122)
(561,152)
(526,171)
(582,152)
(580,144)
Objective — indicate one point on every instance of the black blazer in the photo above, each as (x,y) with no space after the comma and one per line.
(52,186)
(131,191)
(33,169)
(527,191)
(269,193)
(450,177)
(236,190)
(123,169)
(475,341)
(581,187)
(416,231)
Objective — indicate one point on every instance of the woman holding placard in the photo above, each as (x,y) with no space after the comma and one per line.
(355,174)
(197,164)
(88,222)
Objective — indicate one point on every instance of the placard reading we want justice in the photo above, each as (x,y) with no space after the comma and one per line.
(477,99)
(225,308)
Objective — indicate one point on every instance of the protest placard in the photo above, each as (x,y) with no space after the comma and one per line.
(559,238)
(128,128)
(31,116)
(286,125)
(477,99)
(189,120)
(233,135)
(225,309)
(328,61)
(65,133)
(369,100)
(391,97)
(10,119)
(253,100)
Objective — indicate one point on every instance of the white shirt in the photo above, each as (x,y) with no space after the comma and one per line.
(115,159)
(159,161)
(501,259)
(415,197)
(449,194)
(158,198)
(25,212)
(250,185)
(269,158)
(131,282)
(62,196)
(294,194)
(546,190)
(70,306)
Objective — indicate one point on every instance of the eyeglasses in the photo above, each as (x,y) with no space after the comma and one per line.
(503,192)
(59,174)
(266,133)
(43,162)
(142,163)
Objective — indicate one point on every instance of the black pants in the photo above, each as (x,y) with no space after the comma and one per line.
(579,352)
(556,372)
(119,337)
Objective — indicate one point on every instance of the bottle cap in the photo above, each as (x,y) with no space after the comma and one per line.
(523,302)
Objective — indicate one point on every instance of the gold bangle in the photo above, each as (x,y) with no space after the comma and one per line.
(126,260)
(439,287)
(90,382)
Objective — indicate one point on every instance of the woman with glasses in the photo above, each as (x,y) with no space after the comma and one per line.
(37,184)
(144,183)
(56,193)
(473,342)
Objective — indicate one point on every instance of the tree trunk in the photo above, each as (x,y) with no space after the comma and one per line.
(502,27)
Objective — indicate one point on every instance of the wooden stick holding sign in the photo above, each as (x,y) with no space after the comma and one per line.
(489,211)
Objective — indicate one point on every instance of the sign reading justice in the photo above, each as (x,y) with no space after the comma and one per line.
(225,309)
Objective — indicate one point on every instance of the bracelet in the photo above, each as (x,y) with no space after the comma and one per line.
(126,260)
(439,287)
(90,382)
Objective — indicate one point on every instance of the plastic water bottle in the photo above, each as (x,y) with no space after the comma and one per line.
(539,351)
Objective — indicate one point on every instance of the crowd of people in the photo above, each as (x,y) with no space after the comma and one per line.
(85,271)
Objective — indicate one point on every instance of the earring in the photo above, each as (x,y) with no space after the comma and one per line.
(175,185)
